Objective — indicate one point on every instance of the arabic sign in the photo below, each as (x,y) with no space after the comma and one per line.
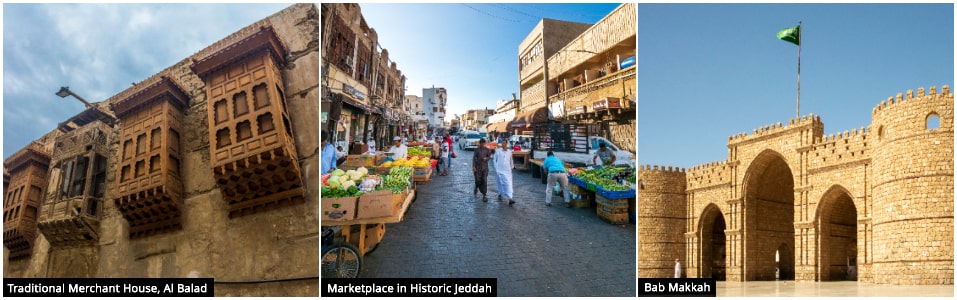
(353,91)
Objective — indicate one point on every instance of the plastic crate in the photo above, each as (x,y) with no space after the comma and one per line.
(615,194)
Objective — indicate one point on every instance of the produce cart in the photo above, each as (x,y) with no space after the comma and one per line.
(341,257)
(610,189)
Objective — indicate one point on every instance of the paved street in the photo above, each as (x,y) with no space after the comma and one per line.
(828,289)
(532,249)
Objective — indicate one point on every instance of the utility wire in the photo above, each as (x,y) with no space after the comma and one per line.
(564,12)
(494,16)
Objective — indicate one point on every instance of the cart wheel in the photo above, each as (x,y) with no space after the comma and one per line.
(341,261)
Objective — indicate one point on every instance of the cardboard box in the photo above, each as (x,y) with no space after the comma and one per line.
(374,205)
(421,174)
(398,200)
(339,209)
(364,160)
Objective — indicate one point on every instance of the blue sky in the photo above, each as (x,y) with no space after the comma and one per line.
(470,49)
(707,71)
(98,50)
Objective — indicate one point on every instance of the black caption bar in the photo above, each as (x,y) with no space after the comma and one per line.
(410,287)
(677,287)
(107,287)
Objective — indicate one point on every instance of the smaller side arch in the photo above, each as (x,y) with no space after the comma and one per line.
(712,261)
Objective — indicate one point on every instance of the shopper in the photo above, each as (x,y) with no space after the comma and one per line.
(556,173)
(677,268)
(451,154)
(398,149)
(480,169)
(606,155)
(503,173)
(444,159)
(328,158)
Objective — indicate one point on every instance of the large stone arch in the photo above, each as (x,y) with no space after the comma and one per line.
(769,215)
(713,243)
(836,218)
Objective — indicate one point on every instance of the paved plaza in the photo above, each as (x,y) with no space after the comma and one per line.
(828,289)
(532,250)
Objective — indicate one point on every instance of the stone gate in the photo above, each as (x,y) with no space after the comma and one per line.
(873,204)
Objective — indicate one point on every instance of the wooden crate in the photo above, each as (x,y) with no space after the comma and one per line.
(586,199)
(616,219)
(614,206)
(374,235)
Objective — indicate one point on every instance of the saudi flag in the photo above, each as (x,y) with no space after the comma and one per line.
(792,35)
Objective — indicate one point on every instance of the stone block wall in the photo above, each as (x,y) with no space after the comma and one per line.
(661,220)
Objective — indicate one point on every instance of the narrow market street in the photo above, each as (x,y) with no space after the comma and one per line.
(532,250)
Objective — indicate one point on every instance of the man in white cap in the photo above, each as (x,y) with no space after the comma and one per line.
(398,148)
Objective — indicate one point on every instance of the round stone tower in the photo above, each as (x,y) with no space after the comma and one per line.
(912,189)
(662,221)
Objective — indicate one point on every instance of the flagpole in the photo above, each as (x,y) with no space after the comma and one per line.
(800,38)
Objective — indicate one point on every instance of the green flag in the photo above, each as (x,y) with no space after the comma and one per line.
(792,35)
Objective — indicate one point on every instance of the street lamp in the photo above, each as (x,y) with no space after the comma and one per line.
(65,91)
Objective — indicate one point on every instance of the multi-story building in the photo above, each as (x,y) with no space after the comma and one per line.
(592,79)
(546,39)
(204,169)
(504,113)
(363,90)
(433,105)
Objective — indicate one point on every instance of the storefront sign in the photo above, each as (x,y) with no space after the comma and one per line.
(353,91)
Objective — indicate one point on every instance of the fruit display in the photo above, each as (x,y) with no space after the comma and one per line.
(609,178)
(397,180)
(343,183)
(420,151)
(415,162)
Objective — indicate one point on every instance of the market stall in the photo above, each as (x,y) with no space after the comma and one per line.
(357,203)
(610,188)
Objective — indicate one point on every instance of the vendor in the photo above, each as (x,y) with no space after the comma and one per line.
(398,149)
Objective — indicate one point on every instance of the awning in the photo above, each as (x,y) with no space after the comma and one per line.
(535,116)
(346,99)
(498,127)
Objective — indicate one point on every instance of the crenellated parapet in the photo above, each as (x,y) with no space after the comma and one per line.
(655,178)
(840,149)
(773,129)
(709,174)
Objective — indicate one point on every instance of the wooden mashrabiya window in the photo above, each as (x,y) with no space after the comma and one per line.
(22,198)
(252,150)
(149,188)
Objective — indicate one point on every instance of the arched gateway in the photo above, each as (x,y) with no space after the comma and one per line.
(790,202)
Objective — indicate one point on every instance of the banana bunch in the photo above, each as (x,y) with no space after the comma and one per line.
(420,151)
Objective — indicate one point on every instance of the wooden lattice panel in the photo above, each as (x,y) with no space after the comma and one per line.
(252,150)
(149,189)
(22,198)
(74,199)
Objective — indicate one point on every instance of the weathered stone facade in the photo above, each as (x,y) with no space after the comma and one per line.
(875,200)
(546,39)
(268,252)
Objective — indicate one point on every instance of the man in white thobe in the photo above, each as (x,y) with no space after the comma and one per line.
(503,172)
(677,269)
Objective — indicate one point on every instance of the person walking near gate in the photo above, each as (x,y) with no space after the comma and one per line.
(503,172)
(480,169)
(556,174)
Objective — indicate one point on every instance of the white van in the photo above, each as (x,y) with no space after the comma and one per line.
(469,139)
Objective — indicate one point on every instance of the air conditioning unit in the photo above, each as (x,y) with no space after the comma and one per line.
(349,60)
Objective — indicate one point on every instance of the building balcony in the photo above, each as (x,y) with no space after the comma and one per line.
(578,99)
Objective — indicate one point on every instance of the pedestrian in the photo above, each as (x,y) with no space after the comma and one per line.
(436,148)
(328,158)
(556,174)
(677,268)
(451,154)
(503,173)
(444,159)
(606,155)
(399,150)
(372,145)
(480,169)
(339,152)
